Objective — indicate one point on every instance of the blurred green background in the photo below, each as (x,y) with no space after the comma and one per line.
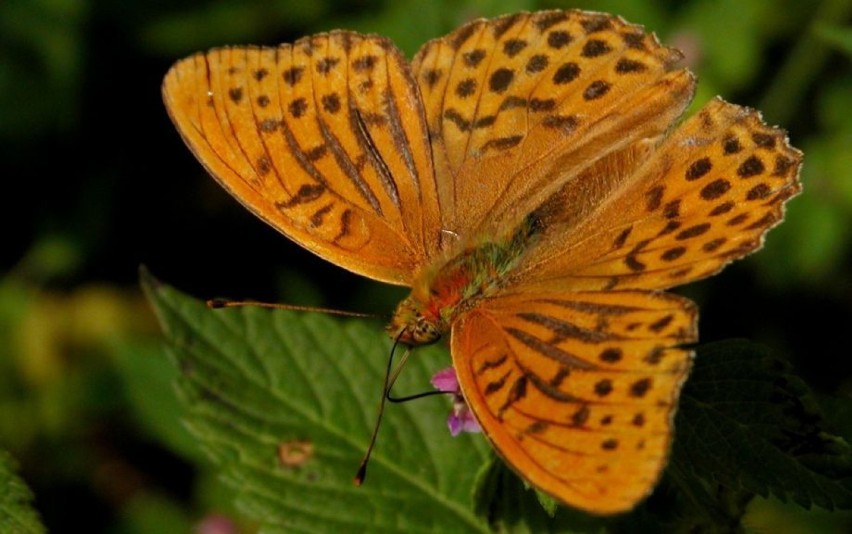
(98,182)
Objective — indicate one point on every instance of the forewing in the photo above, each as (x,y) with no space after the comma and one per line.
(704,197)
(324,139)
(577,390)
(520,105)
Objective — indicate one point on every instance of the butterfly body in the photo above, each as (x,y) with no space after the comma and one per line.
(530,178)
(446,290)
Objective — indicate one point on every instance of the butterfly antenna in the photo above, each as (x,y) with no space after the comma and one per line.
(390,378)
(224,303)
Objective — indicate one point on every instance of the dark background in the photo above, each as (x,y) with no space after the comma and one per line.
(97,182)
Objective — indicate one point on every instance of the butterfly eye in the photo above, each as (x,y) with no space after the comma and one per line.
(425,331)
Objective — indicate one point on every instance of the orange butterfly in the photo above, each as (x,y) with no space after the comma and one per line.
(524,177)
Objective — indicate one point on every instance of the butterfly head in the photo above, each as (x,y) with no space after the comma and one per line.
(414,324)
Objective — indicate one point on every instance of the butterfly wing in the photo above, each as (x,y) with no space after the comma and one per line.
(577,390)
(704,197)
(519,105)
(324,139)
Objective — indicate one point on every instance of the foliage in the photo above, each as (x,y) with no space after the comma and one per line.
(16,512)
(255,381)
(249,381)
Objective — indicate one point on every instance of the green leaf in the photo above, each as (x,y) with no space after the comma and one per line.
(283,403)
(548,503)
(747,424)
(16,512)
(255,381)
(510,506)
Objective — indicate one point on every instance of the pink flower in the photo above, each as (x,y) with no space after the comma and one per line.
(216,524)
(461,419)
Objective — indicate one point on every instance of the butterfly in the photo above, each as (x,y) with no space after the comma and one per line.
(531,178)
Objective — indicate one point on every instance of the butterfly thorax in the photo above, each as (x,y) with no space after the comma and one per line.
(451,287)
